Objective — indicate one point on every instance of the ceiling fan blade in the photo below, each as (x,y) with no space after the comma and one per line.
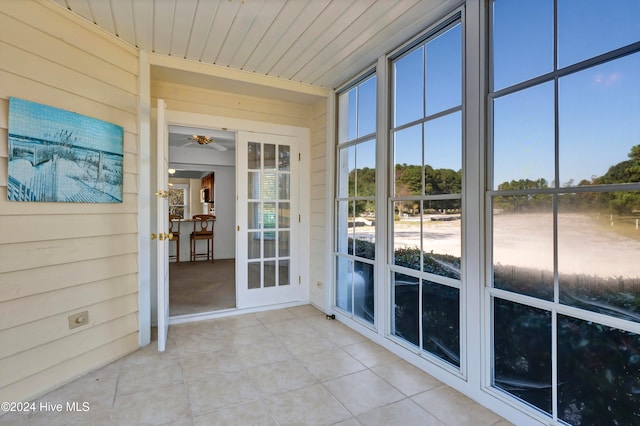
(217,146)
(185,144)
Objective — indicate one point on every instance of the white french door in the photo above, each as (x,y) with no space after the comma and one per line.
(268,219)
(162,224)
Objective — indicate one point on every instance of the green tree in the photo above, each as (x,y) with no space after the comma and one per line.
(624,202)
(442,181)
(409,177)
(366,182)
(523,203)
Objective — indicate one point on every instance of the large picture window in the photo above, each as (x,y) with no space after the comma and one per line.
(564,207)
(179,200)
(426,195)
(355,201)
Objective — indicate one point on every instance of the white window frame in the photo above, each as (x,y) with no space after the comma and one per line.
(474,375)
(341,141)
(555,307)
(437,30)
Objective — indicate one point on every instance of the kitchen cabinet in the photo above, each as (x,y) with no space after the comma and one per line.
(206,188)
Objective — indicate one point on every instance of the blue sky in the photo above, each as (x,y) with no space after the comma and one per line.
(598,108)
(439,140)
(44,122)
(442,90)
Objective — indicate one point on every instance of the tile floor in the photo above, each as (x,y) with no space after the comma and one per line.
(282,367)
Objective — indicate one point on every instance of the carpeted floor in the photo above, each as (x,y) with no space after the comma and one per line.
(201,286)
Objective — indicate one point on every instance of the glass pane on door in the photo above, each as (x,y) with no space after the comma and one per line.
(268,208)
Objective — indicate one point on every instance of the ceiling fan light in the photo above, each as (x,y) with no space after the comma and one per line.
(203,140)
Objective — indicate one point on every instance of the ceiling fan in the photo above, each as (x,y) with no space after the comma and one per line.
(204,140)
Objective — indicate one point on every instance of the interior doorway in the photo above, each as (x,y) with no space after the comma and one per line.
(202,182)
(279,208)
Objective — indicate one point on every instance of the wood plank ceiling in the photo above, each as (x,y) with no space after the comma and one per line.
(315,42)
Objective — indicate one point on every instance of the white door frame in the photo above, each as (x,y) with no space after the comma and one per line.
(162,225)
(204,121)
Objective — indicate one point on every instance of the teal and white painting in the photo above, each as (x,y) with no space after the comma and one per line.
(61,156)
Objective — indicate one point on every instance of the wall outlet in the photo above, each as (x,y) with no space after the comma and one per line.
(78,320)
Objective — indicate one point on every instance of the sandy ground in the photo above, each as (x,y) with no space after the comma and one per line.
(584,246)
(527,240)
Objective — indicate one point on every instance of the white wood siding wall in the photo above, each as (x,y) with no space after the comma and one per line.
(57,259)
(318,203)
(224,104)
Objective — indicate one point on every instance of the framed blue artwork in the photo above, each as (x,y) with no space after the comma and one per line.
(61,156)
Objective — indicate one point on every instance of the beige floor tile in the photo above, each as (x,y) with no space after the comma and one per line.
(254,413)
(331,364)
(213,341)
(502,422)
(314,318)
(78,415)
(248,335)
(343,338)
(318,318)
(320,323)
(349,422)
(404,412)
(238,321)
(453,408)
(241,371)
(204,364)
(149,353)
(264,351)
(156,406)
(98,388)
(279,377)
(312,405)
(14,418)
(170,346)
(370,354)
(406,378)
(196,327)
(221,391)
(301,345)
(181,422)
(338,333)
(305,311)
(142,376)
(363,391)
(293,327)
(268,317)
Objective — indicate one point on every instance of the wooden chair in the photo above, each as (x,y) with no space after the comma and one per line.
(201,231)
(174,228)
